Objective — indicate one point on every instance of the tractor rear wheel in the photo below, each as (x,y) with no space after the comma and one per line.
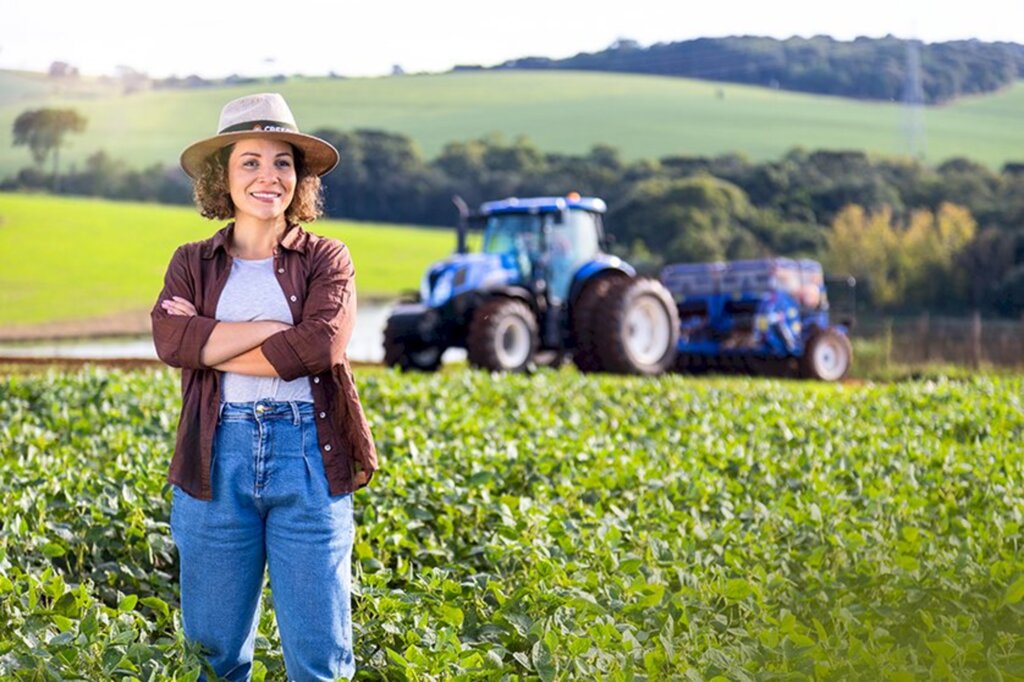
(636,328)
(407,354)
(502,335)
(584,312)
(827,356)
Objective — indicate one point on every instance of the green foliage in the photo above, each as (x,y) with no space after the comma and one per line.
(916,264)
(561,526)
(43,130)
(866,68)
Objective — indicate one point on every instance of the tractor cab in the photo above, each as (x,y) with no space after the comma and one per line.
(547,239)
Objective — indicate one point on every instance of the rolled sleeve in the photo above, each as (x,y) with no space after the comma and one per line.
(179,339)
(319,340)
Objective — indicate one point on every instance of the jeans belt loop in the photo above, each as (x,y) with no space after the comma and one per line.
(220,410)
(296,419)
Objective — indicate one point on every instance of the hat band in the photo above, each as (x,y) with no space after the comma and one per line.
(264,126)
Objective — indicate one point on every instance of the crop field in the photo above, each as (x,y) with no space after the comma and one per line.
(64,258)
(560,527)
(643,116)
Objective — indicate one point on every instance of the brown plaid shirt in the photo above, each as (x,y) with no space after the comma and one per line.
(318,279)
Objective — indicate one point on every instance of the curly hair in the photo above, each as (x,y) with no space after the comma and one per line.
(213,197)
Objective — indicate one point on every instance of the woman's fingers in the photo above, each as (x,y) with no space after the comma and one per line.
(178,306)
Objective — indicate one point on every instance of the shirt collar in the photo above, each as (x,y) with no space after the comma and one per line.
(294,239)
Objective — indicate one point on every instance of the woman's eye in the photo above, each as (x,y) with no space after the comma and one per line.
(249,164)
(284,163)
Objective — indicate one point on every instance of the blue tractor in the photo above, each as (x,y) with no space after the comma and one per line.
(768,316)
(542,284)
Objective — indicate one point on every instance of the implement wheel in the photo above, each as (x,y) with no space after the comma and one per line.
(827,356)
(502,336)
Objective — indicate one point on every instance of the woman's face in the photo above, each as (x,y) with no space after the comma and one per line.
(261,178)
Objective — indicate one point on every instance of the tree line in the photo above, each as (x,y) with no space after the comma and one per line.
(947,238)
(865,68)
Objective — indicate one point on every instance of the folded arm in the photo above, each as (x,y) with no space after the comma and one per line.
(183,338)
(328,315)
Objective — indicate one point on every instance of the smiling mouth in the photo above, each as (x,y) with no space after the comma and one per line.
(265,196)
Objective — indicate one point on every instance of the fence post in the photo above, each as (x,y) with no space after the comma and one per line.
(976,340)
(887,341)
(924,336)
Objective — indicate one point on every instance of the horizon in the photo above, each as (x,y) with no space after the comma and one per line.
(215,41)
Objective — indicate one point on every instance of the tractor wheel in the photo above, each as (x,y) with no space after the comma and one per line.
(827,356)
(585,313)
(502,335)
(409,356)
(637,329)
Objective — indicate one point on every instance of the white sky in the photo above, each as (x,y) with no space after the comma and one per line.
(215,38)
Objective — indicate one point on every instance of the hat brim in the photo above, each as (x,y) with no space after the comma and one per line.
(320,156)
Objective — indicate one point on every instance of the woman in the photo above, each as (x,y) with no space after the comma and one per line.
(272,440)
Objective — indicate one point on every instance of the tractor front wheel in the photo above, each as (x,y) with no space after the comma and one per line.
(502,336)
(408,354)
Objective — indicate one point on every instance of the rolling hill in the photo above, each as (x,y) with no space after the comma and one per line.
(643,116)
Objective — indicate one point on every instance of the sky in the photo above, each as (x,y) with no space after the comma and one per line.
(214,38)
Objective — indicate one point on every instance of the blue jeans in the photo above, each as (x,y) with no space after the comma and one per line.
(270,506)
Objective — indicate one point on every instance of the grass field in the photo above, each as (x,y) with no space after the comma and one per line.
(644,116)
(64,258)
(560,527)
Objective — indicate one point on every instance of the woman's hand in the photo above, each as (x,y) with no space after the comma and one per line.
(176,305)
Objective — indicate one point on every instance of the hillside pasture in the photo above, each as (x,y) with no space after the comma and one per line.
(642,116)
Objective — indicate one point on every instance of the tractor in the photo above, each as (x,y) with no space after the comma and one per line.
(542,286)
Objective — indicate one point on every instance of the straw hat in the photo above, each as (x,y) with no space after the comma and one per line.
(264,115)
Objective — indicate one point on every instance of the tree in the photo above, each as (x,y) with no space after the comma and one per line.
(43,132)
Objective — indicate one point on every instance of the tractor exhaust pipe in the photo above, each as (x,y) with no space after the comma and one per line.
(463,227)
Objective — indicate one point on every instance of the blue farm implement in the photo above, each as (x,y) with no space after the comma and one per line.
(767,316)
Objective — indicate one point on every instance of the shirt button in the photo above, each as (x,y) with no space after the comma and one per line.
(327,448)
(316,380)
(294,298)
(323,414)
(281,270)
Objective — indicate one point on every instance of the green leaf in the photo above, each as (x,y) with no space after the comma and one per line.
(800,640)
(127,603)
(1015,592)
(53,550)
(737,589)
(452,615)
(942,649)
(158,605)
(542,662)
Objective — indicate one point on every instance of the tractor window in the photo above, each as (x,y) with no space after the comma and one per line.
(572,241)
(575,238)
(512,233)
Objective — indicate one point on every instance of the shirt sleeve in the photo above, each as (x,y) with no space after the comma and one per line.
(179,339)
(328,316)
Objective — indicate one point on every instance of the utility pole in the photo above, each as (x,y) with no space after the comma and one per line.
(913,104)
